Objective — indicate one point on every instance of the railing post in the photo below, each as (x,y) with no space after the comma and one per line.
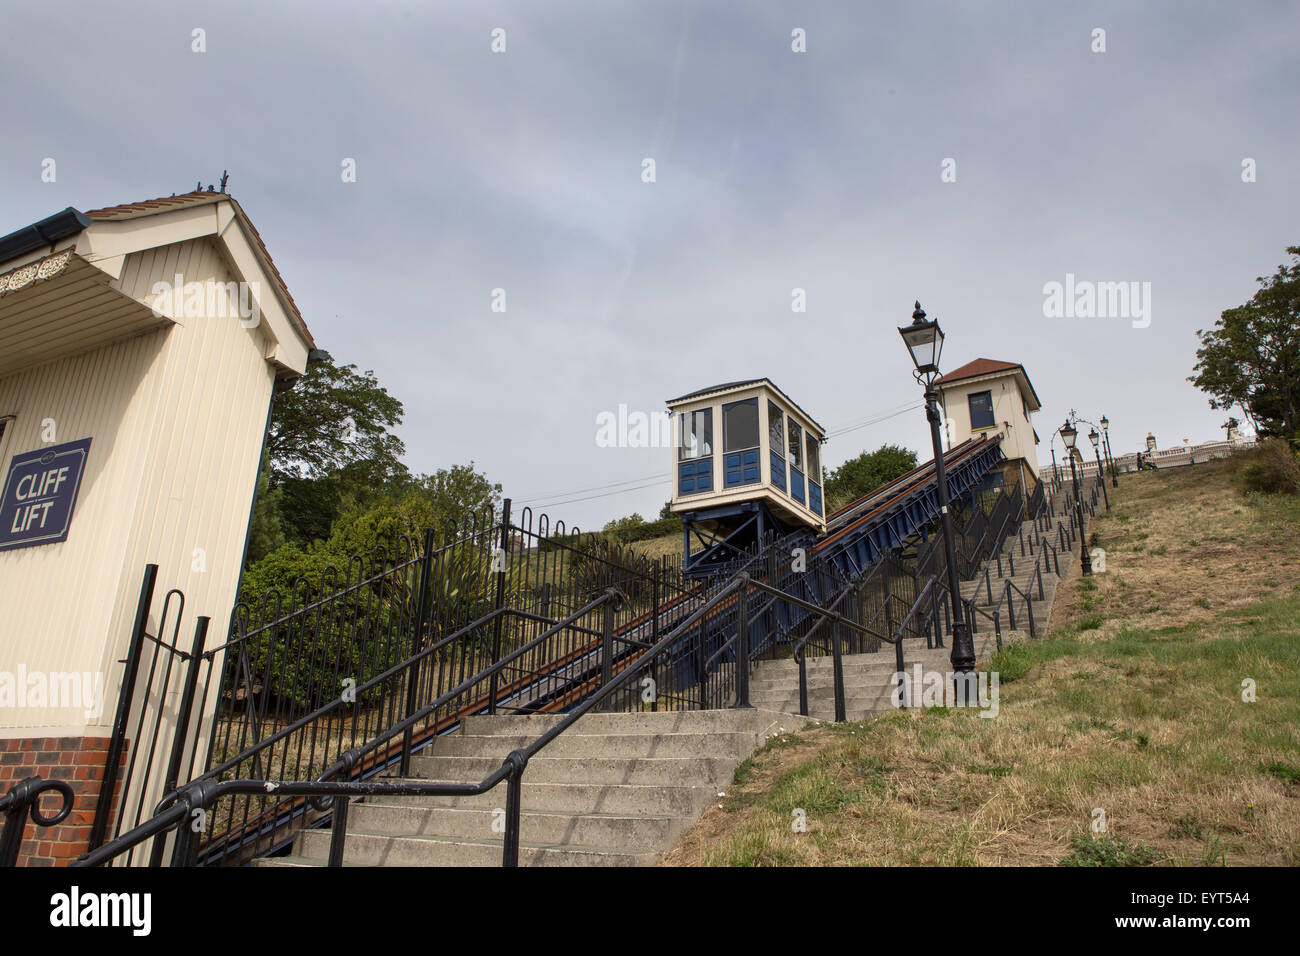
(104,804)
(988,586)
(607,644)
(1011,607)
(935,604)
(338,829)
(702,662)
(997,628)
(187,702)
(742,647)
(803,682)
(837,661)
(1029,611)
(499,604)
(934,638)
(654,603)
(185,850)
(514,798)
(417,632)
(182,722)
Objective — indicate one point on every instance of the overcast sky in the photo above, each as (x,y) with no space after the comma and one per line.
(774,170)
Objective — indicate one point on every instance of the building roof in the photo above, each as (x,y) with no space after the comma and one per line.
(715,388)
(746,383)
(150,207)
(984,366)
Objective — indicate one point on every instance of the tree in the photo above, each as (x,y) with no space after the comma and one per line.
(459,494)
(453,497)
(624,529)
(1251,358)
(867,472)
(333,419)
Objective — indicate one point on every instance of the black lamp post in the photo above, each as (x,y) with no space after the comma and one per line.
(1105,440)
(1101,471)
(1068,435)
(924,342)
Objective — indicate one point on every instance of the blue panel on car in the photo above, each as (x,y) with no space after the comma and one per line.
(740,468)
(815,497)
(694,477)
(778,471)
(796,485)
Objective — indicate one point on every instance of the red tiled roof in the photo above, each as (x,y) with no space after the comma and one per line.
(131,209)
(981,366)
(169,203)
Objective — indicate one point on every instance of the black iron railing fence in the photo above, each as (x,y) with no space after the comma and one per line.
(310,673)
(313,702)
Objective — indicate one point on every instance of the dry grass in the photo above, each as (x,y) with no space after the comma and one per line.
(655,548)
(1140,717)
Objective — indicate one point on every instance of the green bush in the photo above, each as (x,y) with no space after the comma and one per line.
(1087,850)
(1269,468)
(356,632)
(603,563)
(635,528)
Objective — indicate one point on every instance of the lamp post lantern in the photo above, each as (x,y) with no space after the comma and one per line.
(1068,435)
(1101,472)
(924,341)
(1105,440)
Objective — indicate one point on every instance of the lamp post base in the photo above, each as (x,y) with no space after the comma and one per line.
(963,648)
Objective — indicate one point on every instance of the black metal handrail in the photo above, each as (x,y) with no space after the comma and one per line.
(354,755)
(23,801)
(200,794)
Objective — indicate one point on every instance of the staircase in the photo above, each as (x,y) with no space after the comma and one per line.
(621,789)
(869,684)
(613,790)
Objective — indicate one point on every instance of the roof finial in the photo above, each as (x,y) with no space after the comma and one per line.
(224,177)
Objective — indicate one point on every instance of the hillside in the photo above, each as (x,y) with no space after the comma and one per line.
(1122,738)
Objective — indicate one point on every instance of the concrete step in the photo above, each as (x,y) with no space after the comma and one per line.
(667,771)
(569,744)
(628,831)
(577,798)
(857,681)
(613,790)
(661,722)
(378,849)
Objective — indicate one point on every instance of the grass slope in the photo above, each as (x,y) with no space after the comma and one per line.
(1131,712)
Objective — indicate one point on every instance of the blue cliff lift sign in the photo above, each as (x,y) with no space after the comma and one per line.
(40,491)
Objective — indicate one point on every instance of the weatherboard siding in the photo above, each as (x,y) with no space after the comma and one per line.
(176,417)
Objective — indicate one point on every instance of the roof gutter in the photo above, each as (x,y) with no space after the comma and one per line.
(52,229)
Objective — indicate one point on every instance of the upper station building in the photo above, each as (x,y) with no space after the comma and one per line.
(748,462)
(991,397)
(142,345)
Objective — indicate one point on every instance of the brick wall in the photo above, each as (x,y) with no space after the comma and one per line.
(80,762)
